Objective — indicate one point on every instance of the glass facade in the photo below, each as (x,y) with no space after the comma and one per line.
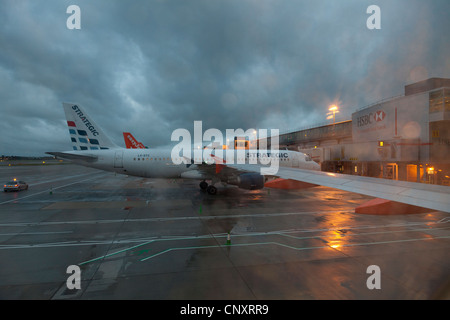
(447,99)
(437,101)
(338,130)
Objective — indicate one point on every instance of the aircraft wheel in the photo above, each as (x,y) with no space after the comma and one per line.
(203,185)
(211,190)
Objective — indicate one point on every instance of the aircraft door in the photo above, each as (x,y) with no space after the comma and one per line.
(392,171)
(118,159)
(295,162)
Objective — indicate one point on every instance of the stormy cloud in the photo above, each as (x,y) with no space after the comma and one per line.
(150,67)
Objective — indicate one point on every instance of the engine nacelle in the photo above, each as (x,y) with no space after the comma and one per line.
(249,181)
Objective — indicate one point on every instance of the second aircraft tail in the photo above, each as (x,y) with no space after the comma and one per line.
(131,142)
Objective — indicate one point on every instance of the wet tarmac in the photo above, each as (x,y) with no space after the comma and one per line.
(137,238)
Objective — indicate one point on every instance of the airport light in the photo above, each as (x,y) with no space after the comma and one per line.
(332,114)
(430,171)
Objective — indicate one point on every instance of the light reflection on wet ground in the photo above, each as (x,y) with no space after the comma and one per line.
(165,239)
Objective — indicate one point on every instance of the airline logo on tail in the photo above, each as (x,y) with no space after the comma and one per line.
(84,120)
(85,134)
(131,142)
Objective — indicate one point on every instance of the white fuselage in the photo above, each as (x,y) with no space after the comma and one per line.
(158,163)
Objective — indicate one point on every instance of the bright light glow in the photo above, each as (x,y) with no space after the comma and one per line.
(333,107)
(332,115)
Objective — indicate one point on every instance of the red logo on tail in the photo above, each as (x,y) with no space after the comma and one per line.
(131,142)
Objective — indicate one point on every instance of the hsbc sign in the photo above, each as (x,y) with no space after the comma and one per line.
(379,116)
(370,118)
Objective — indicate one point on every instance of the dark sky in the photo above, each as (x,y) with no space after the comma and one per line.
(150,67)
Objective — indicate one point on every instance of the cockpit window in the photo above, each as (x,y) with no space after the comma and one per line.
(307,157)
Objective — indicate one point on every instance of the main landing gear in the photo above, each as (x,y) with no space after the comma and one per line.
(203,185)
(209,188)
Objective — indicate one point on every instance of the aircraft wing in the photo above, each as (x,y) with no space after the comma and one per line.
(73,156)
(435,197)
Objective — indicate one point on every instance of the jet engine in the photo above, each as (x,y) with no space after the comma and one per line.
(249,181)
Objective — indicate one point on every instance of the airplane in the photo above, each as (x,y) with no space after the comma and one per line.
(131,142)
(92,148)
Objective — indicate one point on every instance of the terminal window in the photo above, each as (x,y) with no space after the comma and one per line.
(437,101)
(447,99)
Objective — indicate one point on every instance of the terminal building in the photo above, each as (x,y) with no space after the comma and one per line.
(402,138)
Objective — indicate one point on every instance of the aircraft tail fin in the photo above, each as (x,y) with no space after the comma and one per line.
(131,142)
(85,134)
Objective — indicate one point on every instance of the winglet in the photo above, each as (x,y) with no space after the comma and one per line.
(220,163)
(217,159)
